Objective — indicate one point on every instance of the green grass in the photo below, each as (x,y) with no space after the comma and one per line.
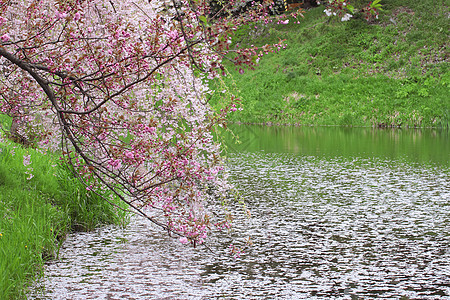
(390,73)
(37,213)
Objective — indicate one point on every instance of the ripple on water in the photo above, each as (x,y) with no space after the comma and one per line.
(324,229)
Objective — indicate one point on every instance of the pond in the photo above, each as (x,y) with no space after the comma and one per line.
(336,213)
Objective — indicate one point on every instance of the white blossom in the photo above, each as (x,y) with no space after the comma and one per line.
(346,17)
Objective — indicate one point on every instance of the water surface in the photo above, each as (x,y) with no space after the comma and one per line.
(333,216)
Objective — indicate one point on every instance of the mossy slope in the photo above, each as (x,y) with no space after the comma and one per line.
(392,72)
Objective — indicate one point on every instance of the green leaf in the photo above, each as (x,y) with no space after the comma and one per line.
(351,8)
(203,19)
(423,92)
(376,4)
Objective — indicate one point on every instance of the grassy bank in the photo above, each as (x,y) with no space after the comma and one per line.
(36,213)
(392,72)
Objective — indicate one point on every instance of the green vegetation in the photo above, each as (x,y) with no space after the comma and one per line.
(393,72)
(36,213)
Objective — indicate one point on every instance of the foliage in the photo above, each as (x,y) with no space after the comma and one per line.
(120,88)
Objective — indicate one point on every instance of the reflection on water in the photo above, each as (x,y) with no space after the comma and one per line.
(337,227)
(426,145)
(138,262)
(340,227)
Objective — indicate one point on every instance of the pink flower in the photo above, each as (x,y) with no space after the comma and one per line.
(62,15)
(2,20)
(5,37)
(173,34)
(184,240)
(129,154)
(115,163)
(26,160)
(77,16)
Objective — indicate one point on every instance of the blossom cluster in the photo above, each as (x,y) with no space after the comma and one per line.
(26,163)
(345,11)
(120,87)
(338,8)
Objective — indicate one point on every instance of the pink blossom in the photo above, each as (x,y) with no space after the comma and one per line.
(26,160)
(2,20)
(115,163)
(129,154)
(5,37)
(77,16)
(60,15)
(184,240)
(173,34)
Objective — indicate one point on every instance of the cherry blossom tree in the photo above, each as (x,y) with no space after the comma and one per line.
(120,89)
